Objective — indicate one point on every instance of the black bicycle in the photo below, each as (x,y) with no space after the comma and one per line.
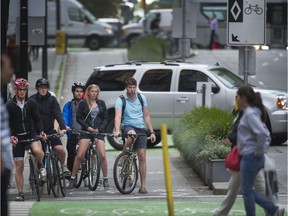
(56,182)
(125,170)
(34,174)
(90,167)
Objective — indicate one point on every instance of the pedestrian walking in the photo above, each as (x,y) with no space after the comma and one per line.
(213,31)
(25,123)
(132,121)
(50,111)
(234,181)
(92,115)
(253,139)
(69,114)
(5,145)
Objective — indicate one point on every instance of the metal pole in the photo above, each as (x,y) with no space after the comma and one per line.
(145,21)
(246,64)
(183,30)
(44,49)
(204,95)
(58,14)
(23,39)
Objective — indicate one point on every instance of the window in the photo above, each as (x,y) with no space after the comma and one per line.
(156,80)
(110,80)
(188,80)
(75,14)
(228,78)
(218,9)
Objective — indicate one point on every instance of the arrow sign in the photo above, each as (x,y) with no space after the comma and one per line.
(246,22)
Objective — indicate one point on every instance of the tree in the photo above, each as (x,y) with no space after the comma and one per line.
(102,8)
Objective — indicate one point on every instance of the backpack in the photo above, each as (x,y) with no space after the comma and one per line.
(124,103)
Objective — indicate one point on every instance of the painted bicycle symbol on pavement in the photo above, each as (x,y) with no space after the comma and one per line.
(258,10)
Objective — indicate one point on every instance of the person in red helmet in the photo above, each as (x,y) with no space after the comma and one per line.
(25,123)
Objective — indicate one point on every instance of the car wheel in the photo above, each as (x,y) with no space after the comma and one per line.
(116,143)
(278,140)
(94,43)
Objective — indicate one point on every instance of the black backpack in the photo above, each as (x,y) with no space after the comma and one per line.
(124,103)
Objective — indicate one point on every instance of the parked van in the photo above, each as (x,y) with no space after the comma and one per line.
(133,30)
(80,26)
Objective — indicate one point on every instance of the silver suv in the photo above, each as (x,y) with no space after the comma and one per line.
(170,88)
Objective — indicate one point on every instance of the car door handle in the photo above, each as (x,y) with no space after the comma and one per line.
(183,99)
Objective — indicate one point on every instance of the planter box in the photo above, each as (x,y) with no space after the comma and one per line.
(213,171)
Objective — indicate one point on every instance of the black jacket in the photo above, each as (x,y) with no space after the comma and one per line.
(101,120)
(24,120)
(49,110)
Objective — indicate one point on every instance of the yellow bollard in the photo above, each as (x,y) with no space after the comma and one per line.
(167,169)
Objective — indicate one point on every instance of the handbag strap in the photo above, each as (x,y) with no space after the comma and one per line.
(89,112)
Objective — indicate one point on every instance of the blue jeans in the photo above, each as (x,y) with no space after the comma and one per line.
(249,167)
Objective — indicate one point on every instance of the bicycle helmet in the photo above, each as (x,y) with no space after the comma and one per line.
(77,85)
(20,82)
(42,82)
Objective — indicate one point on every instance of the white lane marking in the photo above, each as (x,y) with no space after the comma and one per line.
(265,64)
(261,83)
(276,59)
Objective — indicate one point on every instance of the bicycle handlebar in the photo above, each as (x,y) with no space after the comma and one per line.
(38,138)
(92,133)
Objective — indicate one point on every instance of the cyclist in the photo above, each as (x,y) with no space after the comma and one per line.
(50,111)
(92,115)
(133,120)
(24,123)
(69,113)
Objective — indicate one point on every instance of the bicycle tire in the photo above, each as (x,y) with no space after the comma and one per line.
(93,169)
(61,178)
(55,182)
(125,173)
(49,173)
(248,10)
(80,175)
(34,179)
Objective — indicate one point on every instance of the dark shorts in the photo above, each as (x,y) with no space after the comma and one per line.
(141,141)
(54,140)
(19,148)
(91,137)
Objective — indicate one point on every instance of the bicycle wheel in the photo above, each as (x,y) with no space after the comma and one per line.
(80,174)
(34,178)
(62,180)
(93,169)
(55,181)
(125,173)
(49,168)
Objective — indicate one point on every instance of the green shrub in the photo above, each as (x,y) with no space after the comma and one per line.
(200,135)
(148,48)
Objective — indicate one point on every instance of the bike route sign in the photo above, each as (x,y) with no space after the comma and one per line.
(246,22)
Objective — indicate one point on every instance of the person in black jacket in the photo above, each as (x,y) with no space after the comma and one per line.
(92,115)
(50,111)
(24,123)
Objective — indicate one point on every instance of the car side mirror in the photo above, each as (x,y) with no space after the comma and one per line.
(215,89)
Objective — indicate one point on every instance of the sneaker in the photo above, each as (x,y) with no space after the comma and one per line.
(43,174)
(72,183)
(105,183)
(65,171)
(86,183)
(142,190)
(20,197)
(279,212)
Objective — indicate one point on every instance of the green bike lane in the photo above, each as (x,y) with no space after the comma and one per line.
(200,206)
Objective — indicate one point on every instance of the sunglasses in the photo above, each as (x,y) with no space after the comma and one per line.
(19,89)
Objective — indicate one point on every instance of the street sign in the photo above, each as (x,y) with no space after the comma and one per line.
(246,22)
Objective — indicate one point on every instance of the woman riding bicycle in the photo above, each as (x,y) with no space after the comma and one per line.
(92,115)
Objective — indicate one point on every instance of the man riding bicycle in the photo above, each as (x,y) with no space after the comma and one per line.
(50,111)
(133,122)
(25,123)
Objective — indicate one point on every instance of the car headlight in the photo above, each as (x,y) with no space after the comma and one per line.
(281,102)
(109,30)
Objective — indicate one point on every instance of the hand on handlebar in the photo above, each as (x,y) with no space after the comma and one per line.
(43,135)
(116,134)
(62,132)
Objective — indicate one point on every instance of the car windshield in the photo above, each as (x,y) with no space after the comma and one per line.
(88,14)
(228,78)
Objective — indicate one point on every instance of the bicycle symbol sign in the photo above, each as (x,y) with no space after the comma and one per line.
(246,22)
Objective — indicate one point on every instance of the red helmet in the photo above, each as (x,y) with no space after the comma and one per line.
(20,82)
